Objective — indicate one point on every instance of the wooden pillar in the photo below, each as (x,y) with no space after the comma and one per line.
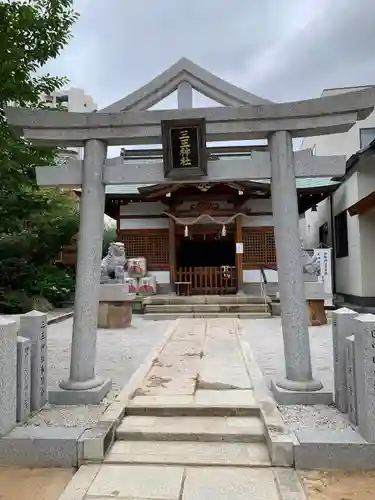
(172,253)
(239,255)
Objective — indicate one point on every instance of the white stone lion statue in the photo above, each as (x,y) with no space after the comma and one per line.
(112,266)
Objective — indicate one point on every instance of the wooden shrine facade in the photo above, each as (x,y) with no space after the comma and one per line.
(167,224)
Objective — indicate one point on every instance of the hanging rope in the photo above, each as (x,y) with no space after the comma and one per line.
(183,222)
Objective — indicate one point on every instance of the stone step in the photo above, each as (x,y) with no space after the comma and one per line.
(193,411)
(163,316)
(205,403)
(208,429)
(204,299)
(210,308)
(189,454)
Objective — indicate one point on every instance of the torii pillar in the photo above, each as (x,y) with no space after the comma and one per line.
(294,317)
(83,386)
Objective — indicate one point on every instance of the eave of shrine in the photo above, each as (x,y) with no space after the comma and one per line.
(310,193)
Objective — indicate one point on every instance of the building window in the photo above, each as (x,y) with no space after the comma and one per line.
(341,235)
(62,98)
(366,135)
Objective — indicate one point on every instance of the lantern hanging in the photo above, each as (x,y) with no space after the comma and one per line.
(224,231)
(186,232)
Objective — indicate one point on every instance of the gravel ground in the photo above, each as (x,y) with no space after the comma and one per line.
(265,338)
(119,355)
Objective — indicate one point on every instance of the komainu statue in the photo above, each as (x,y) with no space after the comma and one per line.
(113,264)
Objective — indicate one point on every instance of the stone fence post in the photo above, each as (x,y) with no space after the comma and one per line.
(351,380)
(23,378)
(8,375)
(342,327)
(364,334)
(33,326)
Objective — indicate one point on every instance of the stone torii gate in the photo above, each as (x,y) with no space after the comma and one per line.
(243,116)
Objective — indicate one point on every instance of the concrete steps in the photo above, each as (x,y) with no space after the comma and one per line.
(193,411)
(161,316)
(203,299)
(206,306)
(207,429)
(189,453)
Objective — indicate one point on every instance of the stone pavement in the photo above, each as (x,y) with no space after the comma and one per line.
(193,429)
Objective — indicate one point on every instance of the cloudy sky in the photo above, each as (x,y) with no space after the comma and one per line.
(278,49)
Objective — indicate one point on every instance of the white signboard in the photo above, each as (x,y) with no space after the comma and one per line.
(239,247)
(324,256)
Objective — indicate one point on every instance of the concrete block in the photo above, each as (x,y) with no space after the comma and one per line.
(162,483)
(94,396)
(189,453)
(351,380)
(280,447)
(285,397)
(364,331)
(94,443)
(80,483)
(23,378)
(288,485)
(314,290)
(112,292)
(40,446)
(8,375)
(333,449)
(33,326)
(230,483)
(342,328)
(113,315)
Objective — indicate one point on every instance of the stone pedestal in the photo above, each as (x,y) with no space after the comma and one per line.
(364,334)
(23,378)
(294,315)
(351,389)
(342,327)
(115,306)
(317,313)
(114,315)
(33,326)
(8,375)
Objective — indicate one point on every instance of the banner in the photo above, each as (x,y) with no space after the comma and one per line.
(324,256)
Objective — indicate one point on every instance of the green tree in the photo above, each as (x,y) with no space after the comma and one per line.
(34,223)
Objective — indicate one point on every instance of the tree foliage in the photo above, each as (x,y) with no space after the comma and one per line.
(34,223)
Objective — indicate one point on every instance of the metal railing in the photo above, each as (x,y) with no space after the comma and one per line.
(263,288)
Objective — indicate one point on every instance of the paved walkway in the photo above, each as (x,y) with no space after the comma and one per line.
(193,429)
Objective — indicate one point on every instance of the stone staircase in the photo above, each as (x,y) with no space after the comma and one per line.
(223,434)
(162,307)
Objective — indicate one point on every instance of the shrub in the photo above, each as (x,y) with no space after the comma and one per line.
(51,282)
(15,301)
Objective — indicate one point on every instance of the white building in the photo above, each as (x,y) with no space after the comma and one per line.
(346,220)
(73,100)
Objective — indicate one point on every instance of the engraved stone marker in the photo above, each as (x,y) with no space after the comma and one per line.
(342,327)
(33,326)
(8,375)
(365,374)
(23,378)
(350,380)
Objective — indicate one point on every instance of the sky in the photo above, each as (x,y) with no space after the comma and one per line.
(282,50)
